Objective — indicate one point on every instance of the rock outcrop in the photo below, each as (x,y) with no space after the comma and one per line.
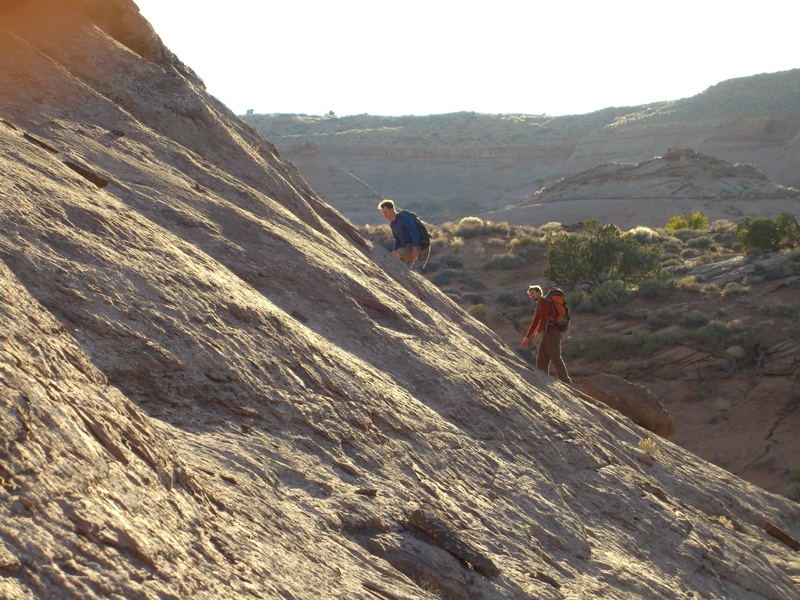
(212,387)
(632,400)
(650,193)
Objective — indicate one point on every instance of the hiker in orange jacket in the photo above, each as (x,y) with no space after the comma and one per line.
(545,324)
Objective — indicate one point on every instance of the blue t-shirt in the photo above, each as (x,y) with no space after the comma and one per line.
(404,231)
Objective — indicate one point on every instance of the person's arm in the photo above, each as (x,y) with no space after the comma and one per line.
(531,329)
(395,236)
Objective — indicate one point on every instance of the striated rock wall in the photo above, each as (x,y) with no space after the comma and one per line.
(212,387)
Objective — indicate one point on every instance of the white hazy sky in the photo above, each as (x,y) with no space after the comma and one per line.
(420,57)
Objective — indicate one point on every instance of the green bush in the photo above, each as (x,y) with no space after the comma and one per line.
(660,318)
(694,221)
(611,293)
(504,262)
(694,318)
(511,298)
(451,261)
(473,298)
(446,277)
(782,310)
(766,235)
(604,346)
(602,254)
(655,289)
(520,242)
(702,242)
(734,289)
(481,312)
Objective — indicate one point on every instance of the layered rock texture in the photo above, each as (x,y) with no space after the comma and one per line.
(450,166)
(652,192)
(212,387)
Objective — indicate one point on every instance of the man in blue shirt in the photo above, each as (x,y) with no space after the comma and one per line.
(405,233)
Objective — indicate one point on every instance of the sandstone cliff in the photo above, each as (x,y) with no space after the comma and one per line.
(651,192)
(212,387)
(450,166)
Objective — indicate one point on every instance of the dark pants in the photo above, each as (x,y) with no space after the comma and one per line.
(550,350)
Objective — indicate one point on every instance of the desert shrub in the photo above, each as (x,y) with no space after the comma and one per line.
(620,314)
(734,290)
(655,289)
(602,346)
(694,318)
(511,298)
(451,261)
(438,244)
(689,253)
(702,242)
(660,318)
(602,254)
(670,262)
(452,292)
(695,284)
(480,312)
(478,250)
(379,234)
(619,367)
(551,227)
(670,244)
(718,334)
(643,235)
(791,264)
(520,242)
(496,241)
(446,277)
(782,310)
(685,235)
(470,227)
(721,226)
(587,305)
(473,298)
(693,221)
(473,283)
(611,293)
(504,262)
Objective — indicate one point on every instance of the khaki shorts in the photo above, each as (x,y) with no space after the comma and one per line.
(404,254)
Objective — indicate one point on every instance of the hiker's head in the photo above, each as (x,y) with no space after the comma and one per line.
(387,209)
(535,292)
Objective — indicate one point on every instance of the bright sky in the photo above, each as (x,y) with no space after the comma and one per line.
(420,57)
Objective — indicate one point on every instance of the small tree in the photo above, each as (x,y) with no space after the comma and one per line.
(694,220)
(767,235)
(603,254)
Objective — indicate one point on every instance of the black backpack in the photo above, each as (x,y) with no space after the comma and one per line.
(424,236)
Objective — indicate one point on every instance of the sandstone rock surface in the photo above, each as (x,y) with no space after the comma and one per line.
(212,387)
(633,400)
